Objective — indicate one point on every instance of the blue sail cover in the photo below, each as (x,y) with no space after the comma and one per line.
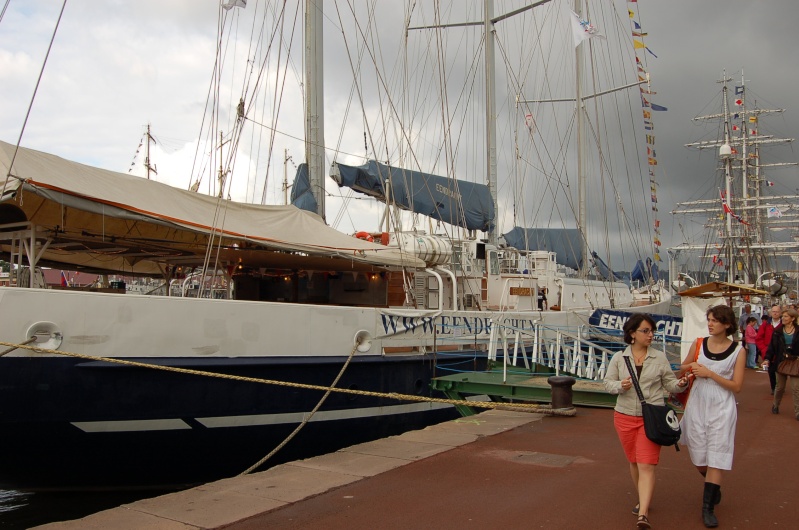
(456,202)
(565,242)
(602,267)
(301,195)
(643,272)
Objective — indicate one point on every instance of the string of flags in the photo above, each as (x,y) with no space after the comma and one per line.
(136,155)
(728,210)
(771,211)
(648,106)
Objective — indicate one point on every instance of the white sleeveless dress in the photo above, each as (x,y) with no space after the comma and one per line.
(708,424)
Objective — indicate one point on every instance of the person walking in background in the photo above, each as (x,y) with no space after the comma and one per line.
(784,346)
(745,315)
(654,376)
(764,339)
(708,424)
(750,338)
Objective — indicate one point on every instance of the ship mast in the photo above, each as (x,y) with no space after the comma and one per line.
(744,243)
(491,114)
(314,103)
(150,168)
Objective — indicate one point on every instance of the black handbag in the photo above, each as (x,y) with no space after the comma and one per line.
(660,422)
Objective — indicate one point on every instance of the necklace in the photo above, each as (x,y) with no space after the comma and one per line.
(789,332)
(637,359)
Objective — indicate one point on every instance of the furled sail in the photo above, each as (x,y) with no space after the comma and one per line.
(565,242)
(643,272)
(456,202)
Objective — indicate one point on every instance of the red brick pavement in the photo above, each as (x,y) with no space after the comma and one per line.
(567,473)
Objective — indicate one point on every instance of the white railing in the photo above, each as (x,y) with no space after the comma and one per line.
(562,350)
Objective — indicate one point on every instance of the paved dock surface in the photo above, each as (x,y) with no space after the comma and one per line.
(495,470)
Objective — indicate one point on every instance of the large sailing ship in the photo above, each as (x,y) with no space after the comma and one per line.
(749,234)
(141,390)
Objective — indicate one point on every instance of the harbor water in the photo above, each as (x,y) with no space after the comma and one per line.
(19,511)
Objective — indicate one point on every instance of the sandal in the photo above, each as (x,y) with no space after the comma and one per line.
(636,508)
(643,522)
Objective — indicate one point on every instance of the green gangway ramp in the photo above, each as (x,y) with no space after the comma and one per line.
(527,387)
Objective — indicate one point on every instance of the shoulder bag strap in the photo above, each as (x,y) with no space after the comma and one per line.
(698,347)
(634,377)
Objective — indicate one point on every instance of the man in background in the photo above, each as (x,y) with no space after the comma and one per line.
(763,339)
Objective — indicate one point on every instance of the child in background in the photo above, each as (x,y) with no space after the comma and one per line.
(750,334)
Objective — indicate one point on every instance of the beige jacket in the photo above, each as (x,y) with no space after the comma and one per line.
(656,378)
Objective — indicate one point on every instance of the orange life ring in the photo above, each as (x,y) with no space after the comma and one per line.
(365,235)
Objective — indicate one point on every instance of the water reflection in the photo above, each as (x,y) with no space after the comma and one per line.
(19,511)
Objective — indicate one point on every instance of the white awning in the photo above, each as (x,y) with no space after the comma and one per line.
(105,216)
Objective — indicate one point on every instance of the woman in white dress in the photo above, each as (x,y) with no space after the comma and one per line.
(708,425)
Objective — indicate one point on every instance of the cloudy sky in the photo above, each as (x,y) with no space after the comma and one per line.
(118,65)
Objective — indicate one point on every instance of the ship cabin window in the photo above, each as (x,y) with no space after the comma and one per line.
(461,260)
(493,263)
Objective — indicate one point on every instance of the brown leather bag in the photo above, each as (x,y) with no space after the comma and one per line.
(789,366)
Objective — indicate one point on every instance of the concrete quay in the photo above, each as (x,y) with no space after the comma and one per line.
(498,469)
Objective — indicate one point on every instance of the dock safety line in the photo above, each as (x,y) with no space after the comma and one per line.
(524,407)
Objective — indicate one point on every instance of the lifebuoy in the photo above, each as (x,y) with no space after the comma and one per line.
(365,235)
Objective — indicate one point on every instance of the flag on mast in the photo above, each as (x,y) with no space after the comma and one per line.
(583,30)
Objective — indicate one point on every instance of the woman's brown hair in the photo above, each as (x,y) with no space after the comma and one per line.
(633,323)
(725,316)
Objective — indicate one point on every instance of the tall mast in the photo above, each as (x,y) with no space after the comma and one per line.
(286,159)
(491,114)
(314,103)
(744,240)
(581,184)
(150,168)
(726,153)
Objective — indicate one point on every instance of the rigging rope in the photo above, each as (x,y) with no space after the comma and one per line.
(307,418)
(35,90)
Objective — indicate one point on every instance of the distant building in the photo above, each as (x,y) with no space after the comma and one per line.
(59,278)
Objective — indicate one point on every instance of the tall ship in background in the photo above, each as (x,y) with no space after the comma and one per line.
(132,390)
(750,209)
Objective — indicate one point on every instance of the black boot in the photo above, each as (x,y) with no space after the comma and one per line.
(717,498)
(708,501)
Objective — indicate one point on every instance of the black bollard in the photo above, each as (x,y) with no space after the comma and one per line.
(561,391)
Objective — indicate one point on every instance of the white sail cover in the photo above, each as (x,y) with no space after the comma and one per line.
(78,202)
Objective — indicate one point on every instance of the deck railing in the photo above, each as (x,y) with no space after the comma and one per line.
(559,349)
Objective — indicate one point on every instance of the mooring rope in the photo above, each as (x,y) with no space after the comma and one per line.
(307,419)
(9,350)
(524,407)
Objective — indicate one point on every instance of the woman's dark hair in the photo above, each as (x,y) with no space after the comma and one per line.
(751,319)
(725,316)
(633,323)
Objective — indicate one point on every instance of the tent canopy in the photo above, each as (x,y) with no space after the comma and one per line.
(95,219)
